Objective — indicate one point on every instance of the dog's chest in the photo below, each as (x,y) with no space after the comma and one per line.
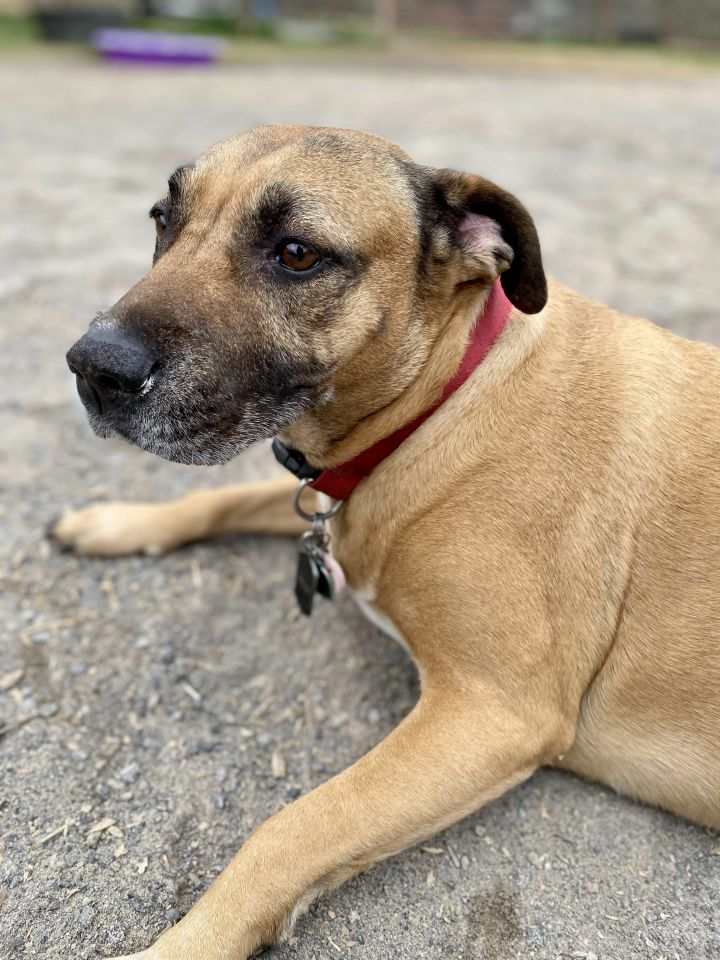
(379,620)
(362,597)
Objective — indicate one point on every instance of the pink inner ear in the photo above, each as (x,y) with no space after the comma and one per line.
(479,233)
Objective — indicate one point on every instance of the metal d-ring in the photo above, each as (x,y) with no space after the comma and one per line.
(313,518)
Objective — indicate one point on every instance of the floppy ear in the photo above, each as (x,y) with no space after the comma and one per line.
(492,223)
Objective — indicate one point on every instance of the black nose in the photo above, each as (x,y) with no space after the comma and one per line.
(109,364)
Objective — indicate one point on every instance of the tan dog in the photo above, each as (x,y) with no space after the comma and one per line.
(547,543)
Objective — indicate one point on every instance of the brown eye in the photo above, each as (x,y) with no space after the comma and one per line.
(160,225)
(296,256)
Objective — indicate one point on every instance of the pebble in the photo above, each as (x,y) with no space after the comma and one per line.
(172,915)
(85,916)
(130,773)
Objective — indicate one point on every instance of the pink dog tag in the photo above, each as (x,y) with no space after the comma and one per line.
(335,573)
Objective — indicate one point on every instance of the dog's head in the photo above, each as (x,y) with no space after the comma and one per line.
(295,269)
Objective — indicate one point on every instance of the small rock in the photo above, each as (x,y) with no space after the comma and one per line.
(130,773)
(373,716)
(48,710)
(172,915)
(85,916)
(220,801)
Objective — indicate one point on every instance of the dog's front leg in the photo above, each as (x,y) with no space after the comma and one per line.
(453,753)
(112,529)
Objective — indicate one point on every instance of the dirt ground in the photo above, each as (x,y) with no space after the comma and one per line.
(145,698)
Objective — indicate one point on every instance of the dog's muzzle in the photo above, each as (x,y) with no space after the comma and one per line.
(110,367)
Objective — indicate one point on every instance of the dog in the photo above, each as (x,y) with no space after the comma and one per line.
(543,534)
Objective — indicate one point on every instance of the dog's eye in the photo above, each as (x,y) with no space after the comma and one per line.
(160,224)
(297,256)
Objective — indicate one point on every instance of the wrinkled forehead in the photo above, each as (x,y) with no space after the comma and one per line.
(337,184)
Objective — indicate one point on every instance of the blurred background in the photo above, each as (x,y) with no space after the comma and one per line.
(676,22)
(152,712)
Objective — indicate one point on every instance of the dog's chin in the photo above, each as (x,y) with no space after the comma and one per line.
(198,444)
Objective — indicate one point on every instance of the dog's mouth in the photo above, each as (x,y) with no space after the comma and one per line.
(200,403)
(203,425)
(203,442)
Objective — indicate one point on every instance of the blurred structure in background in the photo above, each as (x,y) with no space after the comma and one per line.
(671,22)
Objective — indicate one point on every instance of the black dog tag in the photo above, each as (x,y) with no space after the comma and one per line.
(325,586)
(306,580)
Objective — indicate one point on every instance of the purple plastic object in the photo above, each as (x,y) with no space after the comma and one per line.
(148,47)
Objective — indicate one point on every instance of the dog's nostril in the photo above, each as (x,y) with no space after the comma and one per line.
(112,363)
(107,383)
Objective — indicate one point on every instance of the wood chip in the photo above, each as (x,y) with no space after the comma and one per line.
(115,832)
(278,765)
(54,833)
(430,879)
(191,692)
(103,824)
(435,851)
(11,679)
(120,850)
(196,574)
(142,866)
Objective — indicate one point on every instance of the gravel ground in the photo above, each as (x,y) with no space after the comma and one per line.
(143,700)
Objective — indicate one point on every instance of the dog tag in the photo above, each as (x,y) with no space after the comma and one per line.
(332,577)
(306,580)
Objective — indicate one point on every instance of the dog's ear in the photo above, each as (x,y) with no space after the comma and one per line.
(494,230)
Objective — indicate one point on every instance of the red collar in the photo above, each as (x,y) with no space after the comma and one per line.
(339,482)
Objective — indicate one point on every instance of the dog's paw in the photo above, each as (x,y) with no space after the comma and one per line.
(114,529)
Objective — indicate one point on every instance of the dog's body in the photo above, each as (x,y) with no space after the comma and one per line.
(547,543)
